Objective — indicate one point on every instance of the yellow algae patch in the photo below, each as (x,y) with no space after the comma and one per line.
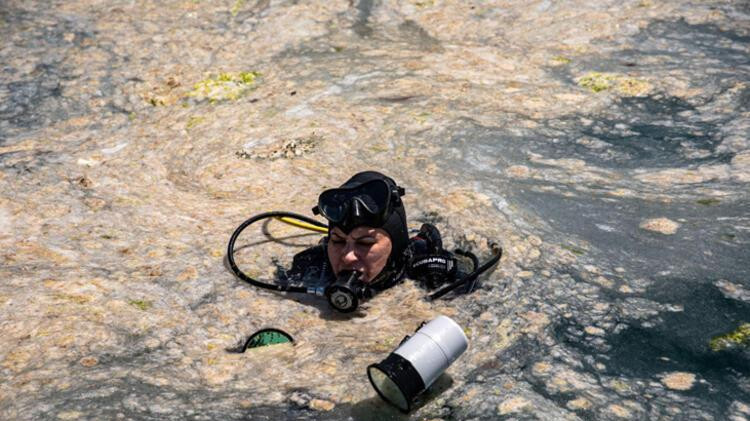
(678,380)
(69,415)
(632,87)
(194,121)
(224,86)
(579,404)
(519,171)
(140,304)
(474,391)
(28,251)
(661,225)
(626,86)
(619,411)
(593,330)
(597,82)
(536,322)
(525,274)
(237,7)
(424,3)
(458,200)
(540,368)
(738,337)
(560,60)
(88,361)
(189,273)
(505,333)
(606,283)
(513,405)
(321,405)
(16,360)
(78,299)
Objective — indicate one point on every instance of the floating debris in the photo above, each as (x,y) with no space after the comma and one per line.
(288,149)
(162,94)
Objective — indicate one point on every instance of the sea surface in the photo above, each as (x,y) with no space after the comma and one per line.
(604,145)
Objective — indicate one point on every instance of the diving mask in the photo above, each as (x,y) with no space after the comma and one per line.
(369,203)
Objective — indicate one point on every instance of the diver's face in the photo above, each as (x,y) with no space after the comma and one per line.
(364,249)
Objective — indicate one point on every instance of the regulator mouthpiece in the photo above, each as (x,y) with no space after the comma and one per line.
(345,293)
(418,362)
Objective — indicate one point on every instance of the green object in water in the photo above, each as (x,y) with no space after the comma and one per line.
(224,87)
(140,304)
(708,202)
(739,337)
(268,336)
(623,85)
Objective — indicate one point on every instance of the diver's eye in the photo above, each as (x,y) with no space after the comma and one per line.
(366,242)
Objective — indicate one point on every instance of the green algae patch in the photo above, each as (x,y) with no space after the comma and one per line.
(78,299)
(224,87)
(632,87)
(157,101)
(728,236)
(597,82)
(237,7)
(424,3)
(739,337)
(708,202)
(378,148)
(561,60)
(140,304)
(573,249)
(194,121)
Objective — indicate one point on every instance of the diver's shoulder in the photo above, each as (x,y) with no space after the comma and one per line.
(312,254)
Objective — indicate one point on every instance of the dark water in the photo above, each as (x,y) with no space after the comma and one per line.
(649,133)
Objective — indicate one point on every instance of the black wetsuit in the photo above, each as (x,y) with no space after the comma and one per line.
(310,268)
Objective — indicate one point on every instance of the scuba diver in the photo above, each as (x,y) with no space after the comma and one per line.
(368,248)
(367,233)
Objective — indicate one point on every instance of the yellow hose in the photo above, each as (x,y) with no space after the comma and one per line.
(302,224)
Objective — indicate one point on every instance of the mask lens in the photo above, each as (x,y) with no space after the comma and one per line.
(373,196)
(268,337)
(333,204)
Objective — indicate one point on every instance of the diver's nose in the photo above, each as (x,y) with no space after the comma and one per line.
(349,257)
